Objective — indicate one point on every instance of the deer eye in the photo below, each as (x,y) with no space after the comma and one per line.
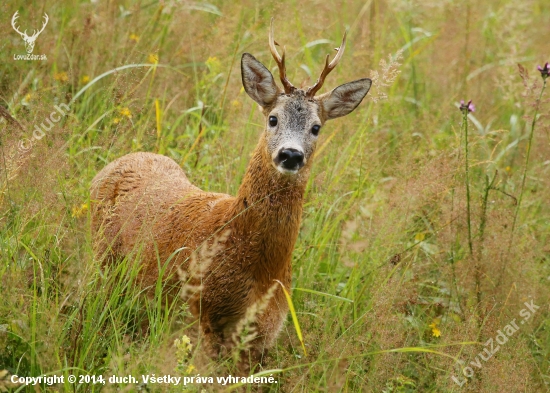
(272,121)
(315,129)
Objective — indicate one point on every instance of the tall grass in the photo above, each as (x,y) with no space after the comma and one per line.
(397,282)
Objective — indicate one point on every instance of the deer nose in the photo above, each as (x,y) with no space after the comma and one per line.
(290,159)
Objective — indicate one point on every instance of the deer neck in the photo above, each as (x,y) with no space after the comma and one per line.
(268,212)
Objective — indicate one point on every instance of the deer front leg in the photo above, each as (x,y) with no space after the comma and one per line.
(261,334)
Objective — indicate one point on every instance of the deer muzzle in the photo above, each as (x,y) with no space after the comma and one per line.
(289,160)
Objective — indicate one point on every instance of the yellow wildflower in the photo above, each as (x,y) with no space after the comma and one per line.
(116,120)
(236,104)
(79,211)
(61,77)
(435,330)
(214,64)
(184,344)
(125,112)
(134,37)
(85,79)
(508,169)
(183,354)
(27,99)
(190,369)
(153,58)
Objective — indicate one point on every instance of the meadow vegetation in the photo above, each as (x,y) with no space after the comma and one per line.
(417,244)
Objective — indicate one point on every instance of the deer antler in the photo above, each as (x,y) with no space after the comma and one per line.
(13,19)
(280,60)
(43,25)
(328,68)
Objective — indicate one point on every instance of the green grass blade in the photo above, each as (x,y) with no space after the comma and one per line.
(294,316)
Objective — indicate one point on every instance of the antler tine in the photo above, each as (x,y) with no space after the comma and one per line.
(280,60)
(328,68)
(13,19)
(47,18)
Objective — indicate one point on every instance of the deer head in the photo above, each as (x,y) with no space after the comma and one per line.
(294,117)
(29,40)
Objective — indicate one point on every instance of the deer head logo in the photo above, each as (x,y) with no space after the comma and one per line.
(29,40)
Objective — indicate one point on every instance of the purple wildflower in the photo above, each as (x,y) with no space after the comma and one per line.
(467,106)
(544,71)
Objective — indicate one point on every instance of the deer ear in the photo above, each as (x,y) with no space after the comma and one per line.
(345,98)
(258,81)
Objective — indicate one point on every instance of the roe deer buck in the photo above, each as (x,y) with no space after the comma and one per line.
(145,200)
